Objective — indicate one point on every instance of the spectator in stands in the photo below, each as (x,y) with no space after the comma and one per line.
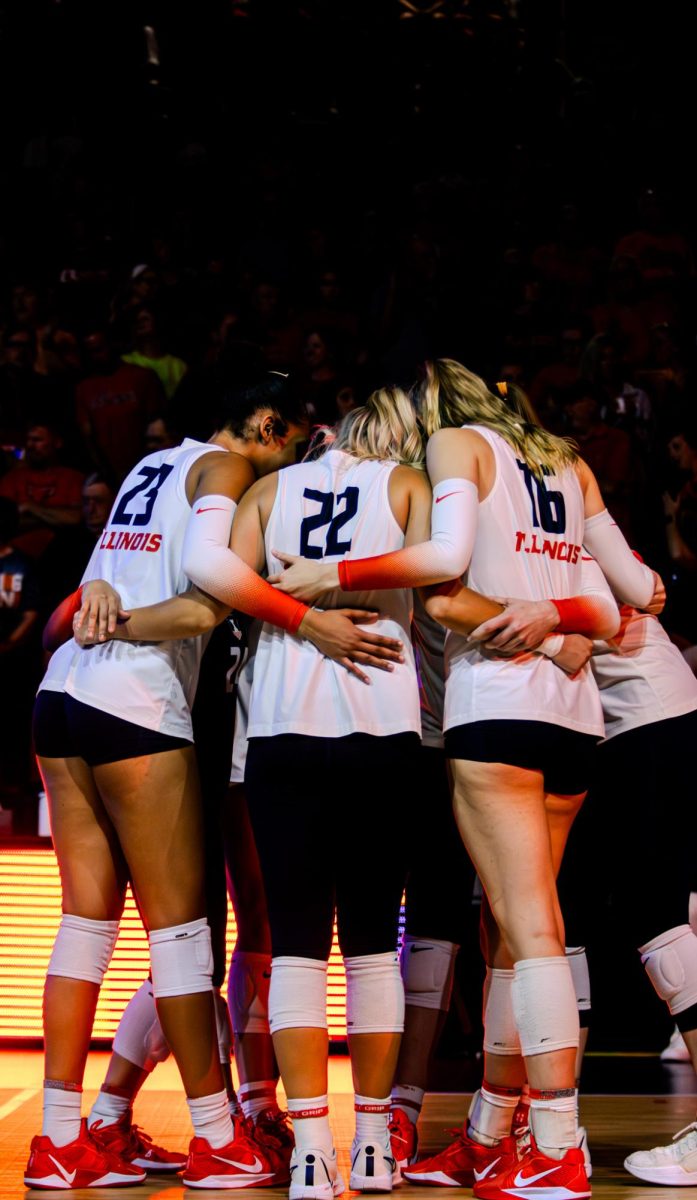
(160,435)
(19,655)
(16,383)
(607,451)
(626,406)
(63,562)
(48,495)
(149,349)
(114,404)
(681,511)
(321,356)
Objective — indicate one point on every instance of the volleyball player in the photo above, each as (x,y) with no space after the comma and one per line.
(512,505)
(113,736)
(641,782)
(324,765)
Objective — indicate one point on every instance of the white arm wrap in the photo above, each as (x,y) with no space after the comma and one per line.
(206,556)
(454,516)
(631,581)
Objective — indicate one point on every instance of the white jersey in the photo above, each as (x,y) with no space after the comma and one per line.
(330,509)
(528,547)
(642,676)
(139,553)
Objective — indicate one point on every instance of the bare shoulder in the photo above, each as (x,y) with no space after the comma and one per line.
(410,480)
(457,453)
(224,474)
(261,495)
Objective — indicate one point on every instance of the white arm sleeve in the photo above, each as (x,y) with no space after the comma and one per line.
(206,555)
(631,581)
(447,555)
(217,570)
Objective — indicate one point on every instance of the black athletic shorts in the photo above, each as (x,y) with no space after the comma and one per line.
(563,755)
(66,728)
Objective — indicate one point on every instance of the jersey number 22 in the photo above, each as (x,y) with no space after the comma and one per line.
(325,516)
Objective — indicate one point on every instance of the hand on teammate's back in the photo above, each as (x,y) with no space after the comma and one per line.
(304,578)
(99,613)
(574,653)
(521,626)
(337,634)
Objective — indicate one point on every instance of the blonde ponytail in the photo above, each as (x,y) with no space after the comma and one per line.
(451,396)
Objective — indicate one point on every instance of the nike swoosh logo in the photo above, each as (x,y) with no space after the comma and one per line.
(211,509)
(252,1169)
(487,1170)
(523,1180)
(447,494)
(67,1175)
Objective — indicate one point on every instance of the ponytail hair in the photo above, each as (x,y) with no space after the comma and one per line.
(451,396)
(385,428)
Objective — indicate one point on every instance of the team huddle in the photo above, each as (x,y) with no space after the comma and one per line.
(433,611)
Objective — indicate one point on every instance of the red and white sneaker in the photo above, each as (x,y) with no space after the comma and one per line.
(537,1175)
(461,1162)
(80,1164)
(404,1138)
(136,1146)
(243,1163)
(273,1132)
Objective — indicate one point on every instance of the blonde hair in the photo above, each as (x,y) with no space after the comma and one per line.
(385,428)
(451,396)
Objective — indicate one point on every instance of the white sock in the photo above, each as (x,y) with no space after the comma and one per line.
(409,1098)
(257,1097)
(491,1113)
(62,1112)
(108,1108)
(372,1117)
(211,1119)
(310,1117)
(553,1120)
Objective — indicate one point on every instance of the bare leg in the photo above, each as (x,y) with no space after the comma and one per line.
(302,1058)
(93,880)
(500,811)
(254,1052)
(154,803)
(373,1062)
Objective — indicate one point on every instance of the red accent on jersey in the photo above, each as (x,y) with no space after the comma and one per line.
(125,540)
(561,551)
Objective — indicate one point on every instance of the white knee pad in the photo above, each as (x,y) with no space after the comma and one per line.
(671,965)
(428,967)
(223,1027)
(578,963)
(248,991)
(181,958)
(374,994)
(544,1005)
(298,993)
(83,948)
(139,1036)
(500,1029)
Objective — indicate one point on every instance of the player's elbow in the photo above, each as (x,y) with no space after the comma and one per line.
(438,607)
(608,620)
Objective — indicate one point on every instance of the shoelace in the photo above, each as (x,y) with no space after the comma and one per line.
(688,1135)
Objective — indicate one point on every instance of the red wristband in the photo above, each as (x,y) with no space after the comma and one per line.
(578,615)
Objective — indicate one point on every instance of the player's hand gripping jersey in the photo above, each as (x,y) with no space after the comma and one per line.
(528,545)
(140,554)
(329,509)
